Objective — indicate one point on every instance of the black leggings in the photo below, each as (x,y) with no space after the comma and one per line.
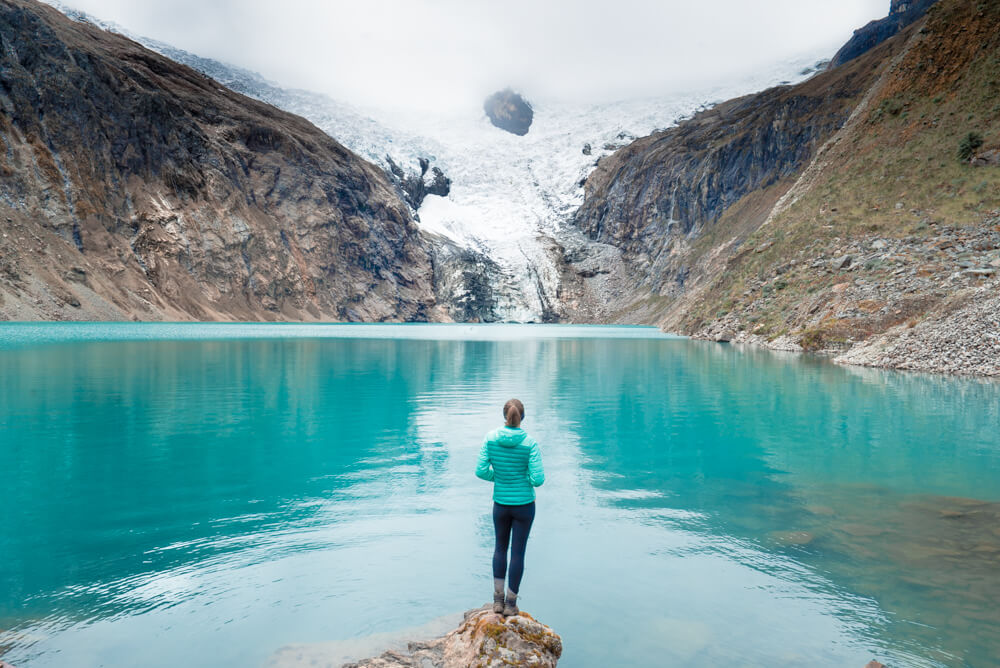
(509,520)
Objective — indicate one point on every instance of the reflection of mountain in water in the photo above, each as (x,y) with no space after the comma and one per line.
(228,460)
(816,463)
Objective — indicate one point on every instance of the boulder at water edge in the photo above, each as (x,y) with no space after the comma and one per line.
(484,639)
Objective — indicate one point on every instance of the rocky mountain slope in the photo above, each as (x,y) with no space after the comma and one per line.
(133,186)
(656,194)
(834,215)
(901,14)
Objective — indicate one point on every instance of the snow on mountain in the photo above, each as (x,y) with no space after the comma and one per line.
(509,193)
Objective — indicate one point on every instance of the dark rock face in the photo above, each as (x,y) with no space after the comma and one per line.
(509,111)
(416,187)
(467,283)
(901,14)
(137,187)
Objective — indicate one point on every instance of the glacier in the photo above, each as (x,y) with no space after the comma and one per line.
(510,195)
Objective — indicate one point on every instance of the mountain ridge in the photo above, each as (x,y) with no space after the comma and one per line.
(881,248)
(137,187)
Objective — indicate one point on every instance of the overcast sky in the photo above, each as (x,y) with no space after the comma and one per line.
(441,53)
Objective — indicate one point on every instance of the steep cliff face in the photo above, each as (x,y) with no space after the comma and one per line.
(655,197)
(901,14)
(136,187)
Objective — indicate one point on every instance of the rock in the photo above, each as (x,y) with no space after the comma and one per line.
(509,111)
(842,262)
(484,639)
(587,150)
(725,336)
(76,274)
(987,271)
(764,246)
(899,205)
(468,283)
(990,158)
(879,244)
(874,664)
(415,186)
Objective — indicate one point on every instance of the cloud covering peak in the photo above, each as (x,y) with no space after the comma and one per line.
(431,54)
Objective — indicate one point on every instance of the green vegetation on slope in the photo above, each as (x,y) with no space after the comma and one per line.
(893,175)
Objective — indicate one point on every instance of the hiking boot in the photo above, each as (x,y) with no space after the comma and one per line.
(510,607)
(498,602)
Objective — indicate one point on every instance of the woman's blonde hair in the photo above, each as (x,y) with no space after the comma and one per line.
(513,412)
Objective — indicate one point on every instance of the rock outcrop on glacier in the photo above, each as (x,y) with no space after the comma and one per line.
(509,111)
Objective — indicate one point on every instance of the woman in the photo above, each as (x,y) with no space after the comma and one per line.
(512,460)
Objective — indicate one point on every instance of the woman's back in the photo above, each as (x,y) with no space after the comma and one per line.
(516,464)
(511,459)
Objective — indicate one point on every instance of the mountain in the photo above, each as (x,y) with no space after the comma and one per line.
(833,215)
(493,207)
(901,14)
(136,187)
(658,194)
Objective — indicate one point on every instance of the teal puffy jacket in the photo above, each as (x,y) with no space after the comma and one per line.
(512,460)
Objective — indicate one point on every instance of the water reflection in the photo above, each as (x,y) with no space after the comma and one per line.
(702,500)
(826,465)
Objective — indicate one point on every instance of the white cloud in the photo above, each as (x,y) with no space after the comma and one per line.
(439,53)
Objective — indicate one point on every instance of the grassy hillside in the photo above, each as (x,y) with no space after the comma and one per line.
(888,226)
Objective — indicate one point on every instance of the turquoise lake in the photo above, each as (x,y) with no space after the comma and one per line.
(263,495)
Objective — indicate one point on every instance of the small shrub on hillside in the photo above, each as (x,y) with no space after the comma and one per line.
(812,340)
(892,107)
(968,145)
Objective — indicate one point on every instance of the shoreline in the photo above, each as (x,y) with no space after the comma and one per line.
(859,356)
(961,339)
(936,346)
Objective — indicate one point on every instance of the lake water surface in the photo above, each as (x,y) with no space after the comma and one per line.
(272,494)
